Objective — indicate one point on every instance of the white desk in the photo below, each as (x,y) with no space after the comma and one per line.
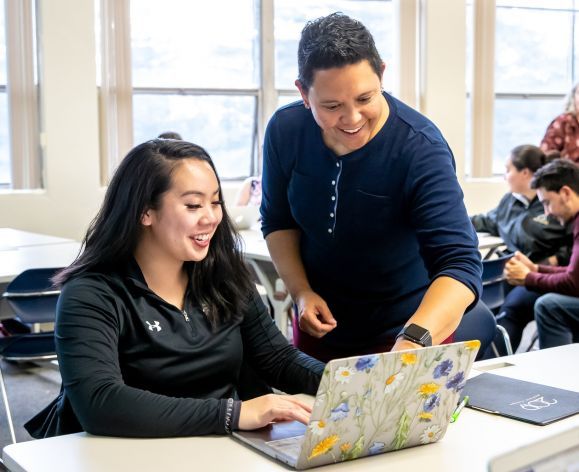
(488,243)
(257,255)
(16,260)
(468,445)
(11,238)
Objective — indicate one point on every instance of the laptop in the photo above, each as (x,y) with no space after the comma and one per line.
(560,451)
(372,404)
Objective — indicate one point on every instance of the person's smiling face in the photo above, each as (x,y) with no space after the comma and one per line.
(182,226)
(347,104)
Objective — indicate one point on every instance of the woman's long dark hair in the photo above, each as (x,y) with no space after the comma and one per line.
(220,282)
(527,156)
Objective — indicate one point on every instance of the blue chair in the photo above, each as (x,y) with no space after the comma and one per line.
(480,323)
(32,298)
(493,294)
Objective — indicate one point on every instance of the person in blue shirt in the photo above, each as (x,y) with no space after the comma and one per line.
(361,207)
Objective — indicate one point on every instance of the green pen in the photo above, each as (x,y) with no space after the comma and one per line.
(458,409)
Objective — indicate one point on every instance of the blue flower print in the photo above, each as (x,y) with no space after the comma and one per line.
(456,382)
(443,369)
(431,402)
(340,412)
(376,448)
(366,362)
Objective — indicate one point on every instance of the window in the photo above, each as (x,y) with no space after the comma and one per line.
(4,148)
(216,78)
(20,164)
(522,79)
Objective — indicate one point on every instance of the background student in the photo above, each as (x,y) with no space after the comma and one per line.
(519,219)
(562,134)
(557,313)
(158,314)
(361,208)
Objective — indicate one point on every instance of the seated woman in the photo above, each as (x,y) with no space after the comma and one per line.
(519,218)
(158,314)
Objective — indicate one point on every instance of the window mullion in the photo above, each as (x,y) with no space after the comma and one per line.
(267,101)
(22,96)
(116,101)
(483,87)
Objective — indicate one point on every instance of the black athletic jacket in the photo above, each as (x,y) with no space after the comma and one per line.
(523,226)
(134,365)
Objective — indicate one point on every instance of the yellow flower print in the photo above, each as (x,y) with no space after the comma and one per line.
(343,374)
(393,381)
(472,345)
(408,358)
(345,447)
(428,389)
(324,446)
(425,416)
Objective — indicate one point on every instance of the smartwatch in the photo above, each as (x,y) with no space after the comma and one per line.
(416,334)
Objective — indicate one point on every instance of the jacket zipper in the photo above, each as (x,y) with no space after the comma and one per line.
(185,315)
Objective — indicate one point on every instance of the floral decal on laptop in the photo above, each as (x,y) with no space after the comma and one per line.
(372,404)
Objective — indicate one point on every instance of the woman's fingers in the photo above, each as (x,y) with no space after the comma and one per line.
(261,411)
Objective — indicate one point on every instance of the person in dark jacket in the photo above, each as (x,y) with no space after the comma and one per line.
(158,314)
(519,219)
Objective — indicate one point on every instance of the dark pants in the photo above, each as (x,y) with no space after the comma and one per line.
(557,319)
(517,311)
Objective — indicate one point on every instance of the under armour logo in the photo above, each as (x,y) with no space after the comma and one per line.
(154,326)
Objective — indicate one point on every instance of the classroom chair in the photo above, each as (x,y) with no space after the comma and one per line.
(33,300)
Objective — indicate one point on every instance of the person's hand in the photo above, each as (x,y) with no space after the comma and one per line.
(520,257)
(402,344)
(314,316)
(261,411)
(516,271)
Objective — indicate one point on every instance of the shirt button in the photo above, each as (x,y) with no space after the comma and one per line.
(331,215)
(333,182)
(329,230)
(333,198)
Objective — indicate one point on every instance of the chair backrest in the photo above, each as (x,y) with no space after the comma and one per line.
(493,280)
(32,296)
(493,268)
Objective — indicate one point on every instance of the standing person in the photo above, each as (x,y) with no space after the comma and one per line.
(362,211)
(562,134)
(158,312)
(519,219)
(557,313)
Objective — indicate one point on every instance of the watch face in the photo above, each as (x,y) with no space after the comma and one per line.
(416,332)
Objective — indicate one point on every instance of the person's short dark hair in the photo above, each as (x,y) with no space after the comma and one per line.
(556,174)
(527,156)
(332,41)
(170,135)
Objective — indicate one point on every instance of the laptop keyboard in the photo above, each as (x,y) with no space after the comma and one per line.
(289,446)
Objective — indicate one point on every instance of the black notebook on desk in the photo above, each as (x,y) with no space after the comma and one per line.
(520,400)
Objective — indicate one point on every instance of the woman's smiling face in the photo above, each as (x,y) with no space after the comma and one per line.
(347,104)
(189,213)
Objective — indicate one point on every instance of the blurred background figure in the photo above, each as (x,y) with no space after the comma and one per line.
(519,219)
(250,192)
(563,133)
(170,135)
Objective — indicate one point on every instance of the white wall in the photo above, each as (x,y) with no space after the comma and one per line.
(72,191)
